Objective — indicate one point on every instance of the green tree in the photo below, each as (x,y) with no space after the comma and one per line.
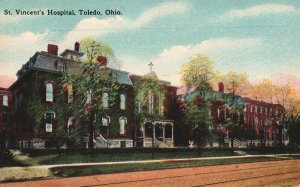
(236,83)
(93,48)
(198,71)
(89,81)
(198,74)
(196,118)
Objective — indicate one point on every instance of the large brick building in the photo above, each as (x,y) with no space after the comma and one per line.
(266,119)
(6,130)
(40,112)
(37,108)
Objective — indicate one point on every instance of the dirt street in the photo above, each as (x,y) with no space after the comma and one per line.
(275,173)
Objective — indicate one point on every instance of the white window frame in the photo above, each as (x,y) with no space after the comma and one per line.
(49,91)
(107,119)
(49,126)
(122,122)
(5,100)
(122,101)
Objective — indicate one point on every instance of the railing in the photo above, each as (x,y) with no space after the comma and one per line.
(103,140)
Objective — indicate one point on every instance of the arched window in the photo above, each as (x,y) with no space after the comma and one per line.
(151,103)
(5,100)
(49,118)
(122,101)
(88,97)
(49,92)
(105,98)
(122,122)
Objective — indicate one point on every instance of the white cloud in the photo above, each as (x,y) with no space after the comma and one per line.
(168,63)
(257,10)
(94,27)
(164,9)
(15,50)
(99,27)
(8,19)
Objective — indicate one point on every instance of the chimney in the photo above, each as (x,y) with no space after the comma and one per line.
(221,87)
(52,49)
(76,47)
(102,60)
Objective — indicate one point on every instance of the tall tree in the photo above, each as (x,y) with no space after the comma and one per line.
(196,118)
(94,48)
(198,71)
(264,90)
(236,83)
(198,74)
(88,82)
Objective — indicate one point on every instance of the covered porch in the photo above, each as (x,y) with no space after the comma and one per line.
(158,133)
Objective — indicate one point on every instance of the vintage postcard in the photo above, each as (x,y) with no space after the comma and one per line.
(149,93)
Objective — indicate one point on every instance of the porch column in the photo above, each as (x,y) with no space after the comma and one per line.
(164,127)
(144,136)
(172,135)
(153,129)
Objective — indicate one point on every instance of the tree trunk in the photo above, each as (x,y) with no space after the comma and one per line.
(91,131)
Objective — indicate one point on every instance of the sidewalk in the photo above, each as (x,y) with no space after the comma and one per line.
(43,171)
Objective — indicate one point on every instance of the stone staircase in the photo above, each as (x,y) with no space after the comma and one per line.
(101,142)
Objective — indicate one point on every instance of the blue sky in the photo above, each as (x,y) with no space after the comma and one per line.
(261,38)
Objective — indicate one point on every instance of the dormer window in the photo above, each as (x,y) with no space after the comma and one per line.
(5,100)
(49,92)
(122,102)
(59,66)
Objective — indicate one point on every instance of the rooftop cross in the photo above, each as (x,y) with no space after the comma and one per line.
(151,65)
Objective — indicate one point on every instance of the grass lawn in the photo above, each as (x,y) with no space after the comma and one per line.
(111,157)
(100,169)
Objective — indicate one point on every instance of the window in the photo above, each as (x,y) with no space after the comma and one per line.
(105,121)
(70,93)
(59,66)
(5,100)
(122,122)
(105,100)
(151,103)
(49,117)
(122,102)
(70,125)
(88,97)
(49,92)
(139,107)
